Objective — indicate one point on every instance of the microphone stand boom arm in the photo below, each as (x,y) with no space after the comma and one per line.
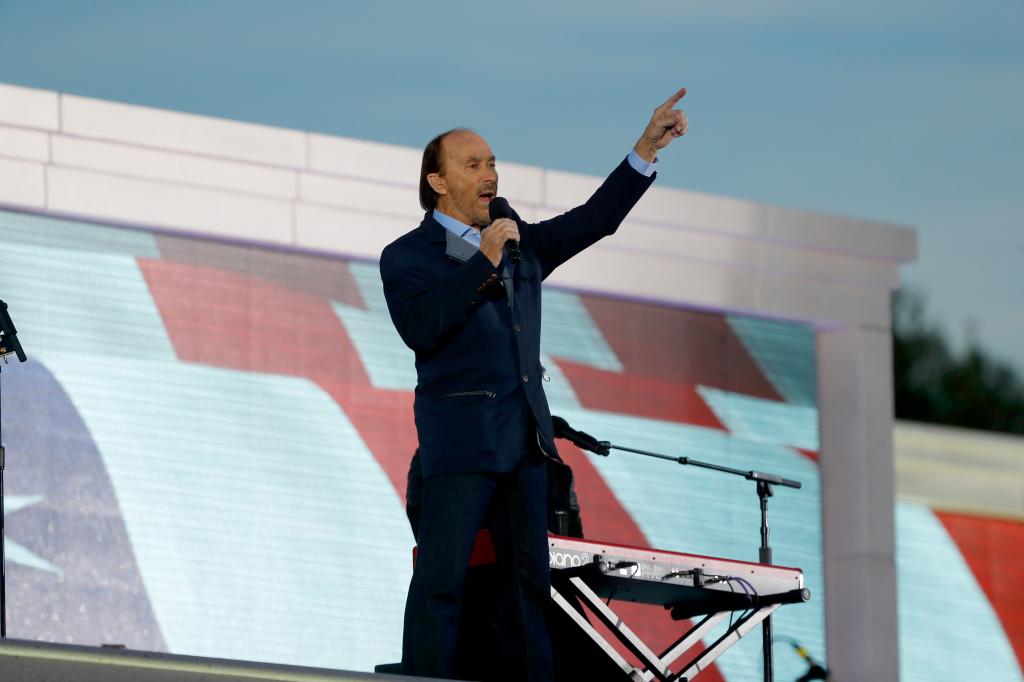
(773,479)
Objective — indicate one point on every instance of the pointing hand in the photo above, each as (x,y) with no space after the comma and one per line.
(667,123)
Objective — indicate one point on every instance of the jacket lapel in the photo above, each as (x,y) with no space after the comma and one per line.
(457,247)
(454,247)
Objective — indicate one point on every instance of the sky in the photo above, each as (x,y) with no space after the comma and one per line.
(909,112)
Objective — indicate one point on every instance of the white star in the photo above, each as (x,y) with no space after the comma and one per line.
(18,553)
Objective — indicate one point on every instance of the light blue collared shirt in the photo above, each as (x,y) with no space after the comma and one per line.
(472,235)
(459,228)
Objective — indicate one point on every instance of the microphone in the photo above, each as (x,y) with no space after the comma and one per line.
(499,208)
(9,339)
(579,438)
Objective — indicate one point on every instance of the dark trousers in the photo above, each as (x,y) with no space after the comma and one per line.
(454,507)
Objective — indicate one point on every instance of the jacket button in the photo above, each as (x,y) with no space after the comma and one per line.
(526,379)
(517,328)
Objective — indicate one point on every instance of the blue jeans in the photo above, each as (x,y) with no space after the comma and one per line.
(454,507)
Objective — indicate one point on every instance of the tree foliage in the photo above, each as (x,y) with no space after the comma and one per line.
(934,384)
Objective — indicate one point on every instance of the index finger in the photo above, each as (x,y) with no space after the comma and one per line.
(674,99)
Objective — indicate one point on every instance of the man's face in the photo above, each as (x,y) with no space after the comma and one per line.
(468,179)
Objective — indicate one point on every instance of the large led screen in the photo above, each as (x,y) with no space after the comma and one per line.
(207,450)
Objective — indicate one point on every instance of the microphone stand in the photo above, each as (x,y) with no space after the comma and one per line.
(3,531)
(764,482)
(9,345)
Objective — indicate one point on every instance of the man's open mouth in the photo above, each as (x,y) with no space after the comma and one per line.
(486,197)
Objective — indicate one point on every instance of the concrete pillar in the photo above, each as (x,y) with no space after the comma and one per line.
(856,406)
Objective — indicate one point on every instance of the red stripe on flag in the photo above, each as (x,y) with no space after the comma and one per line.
(994,549)
(639,395)
(322,277)
(679,346)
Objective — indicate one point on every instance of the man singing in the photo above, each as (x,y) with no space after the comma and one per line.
(472,314)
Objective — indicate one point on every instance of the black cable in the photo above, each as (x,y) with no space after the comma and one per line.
(815,669)
(731,612)
(621,564)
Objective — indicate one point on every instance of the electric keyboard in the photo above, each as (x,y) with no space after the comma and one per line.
(706,589)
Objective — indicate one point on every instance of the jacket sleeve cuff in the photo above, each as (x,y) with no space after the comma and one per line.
(478,275)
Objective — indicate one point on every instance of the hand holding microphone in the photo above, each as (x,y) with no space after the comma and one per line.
(501,213)
(495,236)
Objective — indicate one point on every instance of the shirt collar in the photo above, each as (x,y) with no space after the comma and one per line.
(458,228)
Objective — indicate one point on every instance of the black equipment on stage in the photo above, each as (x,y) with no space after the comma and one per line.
(9,345)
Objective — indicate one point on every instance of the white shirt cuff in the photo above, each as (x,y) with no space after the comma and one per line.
(640,166)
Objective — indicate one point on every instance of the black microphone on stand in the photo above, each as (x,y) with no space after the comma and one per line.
(9,336)
(499,208)
(579,438)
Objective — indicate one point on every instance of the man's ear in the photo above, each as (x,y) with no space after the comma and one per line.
(437,183)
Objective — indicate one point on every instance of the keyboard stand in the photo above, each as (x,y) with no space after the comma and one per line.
(571,585)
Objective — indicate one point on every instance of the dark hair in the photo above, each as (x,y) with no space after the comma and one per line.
(432,158)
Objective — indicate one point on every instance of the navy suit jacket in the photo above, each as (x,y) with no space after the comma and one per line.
(479,391)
